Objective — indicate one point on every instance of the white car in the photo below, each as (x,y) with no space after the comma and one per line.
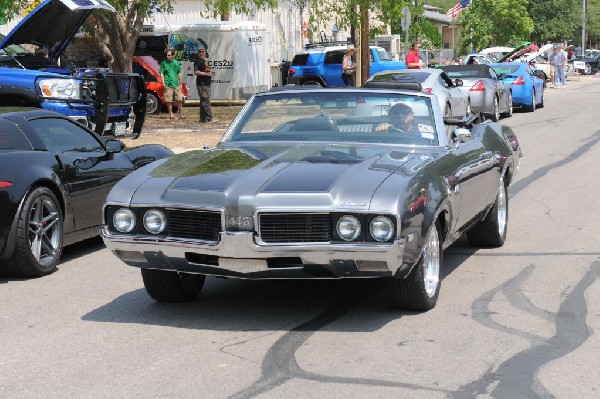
(452,100)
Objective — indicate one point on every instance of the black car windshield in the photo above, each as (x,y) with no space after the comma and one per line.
(338,116)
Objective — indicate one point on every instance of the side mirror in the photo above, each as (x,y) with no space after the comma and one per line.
(113,146)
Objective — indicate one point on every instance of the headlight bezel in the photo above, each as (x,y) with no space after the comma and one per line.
(349,219)
(59,88)
(127,211)
(385,220)
(162,221)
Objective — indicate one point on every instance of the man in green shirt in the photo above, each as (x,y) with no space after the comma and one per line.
(170,72)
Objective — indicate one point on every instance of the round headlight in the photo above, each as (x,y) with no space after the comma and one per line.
(381,228)
(155,221)
(124,220)
(348,227)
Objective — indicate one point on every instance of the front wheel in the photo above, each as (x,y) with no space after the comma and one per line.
(531,108)
(491,231)
(39,236)
(588,69)
(171,286)
(153,104)
(421,288)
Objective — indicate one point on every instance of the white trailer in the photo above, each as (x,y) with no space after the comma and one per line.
(237,54)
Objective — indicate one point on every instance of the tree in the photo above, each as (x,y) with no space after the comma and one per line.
(554,26)
(510,24)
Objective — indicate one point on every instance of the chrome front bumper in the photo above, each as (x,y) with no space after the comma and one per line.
(237,254)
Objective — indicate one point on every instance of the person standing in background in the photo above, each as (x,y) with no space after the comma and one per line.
(413,59)
(170,73)
(560,61)
(203,81)
(348,67)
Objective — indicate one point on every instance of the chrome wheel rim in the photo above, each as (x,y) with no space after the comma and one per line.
(502,209)
(44,230)
(496,110)
(151,104)
(588,69)
(431,263)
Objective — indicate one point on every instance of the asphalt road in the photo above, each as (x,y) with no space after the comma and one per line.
(514,322)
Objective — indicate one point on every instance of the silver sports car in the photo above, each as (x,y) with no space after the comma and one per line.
(305,184)
(452,100)
(489,94)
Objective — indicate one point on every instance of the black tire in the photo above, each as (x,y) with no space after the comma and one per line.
(170,286)
(541,103)
(39,239)
(509,113)
(495,115)
(490,232)
(153,104)
(420,289)
(311,83)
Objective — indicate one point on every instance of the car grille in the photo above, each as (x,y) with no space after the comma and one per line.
(194,225)
(295,227)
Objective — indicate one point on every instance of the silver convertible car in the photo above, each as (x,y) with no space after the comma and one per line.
(303,185)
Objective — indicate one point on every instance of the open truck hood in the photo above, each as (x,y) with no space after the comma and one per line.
(53,24)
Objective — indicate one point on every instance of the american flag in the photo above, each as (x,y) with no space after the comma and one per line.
(457,8)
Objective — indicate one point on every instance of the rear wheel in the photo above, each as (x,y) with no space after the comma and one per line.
(495,115)
(491,231)
(171,286)
(421,288)
(39,236)
(531,108)
(588,69)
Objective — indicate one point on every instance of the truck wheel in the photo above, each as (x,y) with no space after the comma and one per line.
(491,231)
(39,236)
(171,286)
(153,104)
(421,288)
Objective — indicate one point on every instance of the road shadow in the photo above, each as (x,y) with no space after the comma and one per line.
(266,305)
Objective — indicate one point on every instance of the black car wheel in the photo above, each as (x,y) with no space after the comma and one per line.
(153,103)
(491,231)
(39,236)
(421,288)
(170,286)
(495,115)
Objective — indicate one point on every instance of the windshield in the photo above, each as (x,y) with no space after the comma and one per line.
(338,117)
(506,69)
(383,55)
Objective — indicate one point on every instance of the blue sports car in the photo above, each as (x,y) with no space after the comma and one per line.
(526,88)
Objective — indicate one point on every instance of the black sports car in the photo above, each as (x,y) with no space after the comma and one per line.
(54,177)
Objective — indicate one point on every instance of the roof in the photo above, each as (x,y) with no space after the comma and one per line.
(473,70)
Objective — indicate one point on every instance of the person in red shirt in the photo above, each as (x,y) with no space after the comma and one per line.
(413,60)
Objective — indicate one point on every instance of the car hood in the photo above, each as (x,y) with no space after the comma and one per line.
(53,24)
(149,64)
(318,177)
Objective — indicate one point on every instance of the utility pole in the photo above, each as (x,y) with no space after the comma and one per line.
(583,23)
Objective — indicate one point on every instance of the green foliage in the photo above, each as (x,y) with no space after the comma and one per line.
(509,26)
(554,26)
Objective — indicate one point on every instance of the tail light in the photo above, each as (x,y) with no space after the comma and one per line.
(291,71)
(4,184)
(427,90)
(519,81)
(478,86)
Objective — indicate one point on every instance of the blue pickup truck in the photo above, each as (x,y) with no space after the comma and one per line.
(321,64)
(31,74)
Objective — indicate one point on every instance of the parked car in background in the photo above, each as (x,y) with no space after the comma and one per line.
(301,188)
(527,89)
(148,67)
(476,58)
(54,176)
(321,64)
(452,100)
(488,94)
(588,65)
(495,53)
